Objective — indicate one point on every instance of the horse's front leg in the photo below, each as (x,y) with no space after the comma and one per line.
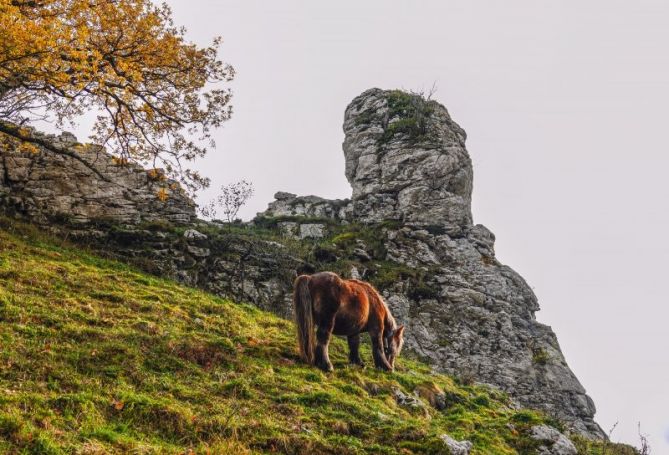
(354,350)
(323,333)
(380,360)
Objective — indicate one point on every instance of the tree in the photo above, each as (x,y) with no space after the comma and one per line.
(156,95)
(232,197)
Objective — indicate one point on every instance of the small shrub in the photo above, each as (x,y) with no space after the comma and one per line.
(540,356)
(421,291)
(231,198)
(157,226)
(324,254)
(9,425)
(526,417)
(413,110)
(482,400)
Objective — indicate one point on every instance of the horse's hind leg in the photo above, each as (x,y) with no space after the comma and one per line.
(323,333)
(354,350)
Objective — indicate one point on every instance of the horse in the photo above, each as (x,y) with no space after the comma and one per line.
(343,307)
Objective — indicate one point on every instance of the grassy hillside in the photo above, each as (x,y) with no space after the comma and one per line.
(96,357)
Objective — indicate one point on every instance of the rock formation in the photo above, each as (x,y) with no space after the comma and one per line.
(406,161)
(407,228)
(470,315)
(45,185)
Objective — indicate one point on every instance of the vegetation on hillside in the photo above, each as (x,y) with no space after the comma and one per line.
(96,357)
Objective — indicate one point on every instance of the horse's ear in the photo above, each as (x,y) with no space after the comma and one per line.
(399,331)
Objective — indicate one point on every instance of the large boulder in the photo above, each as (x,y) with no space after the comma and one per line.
(406,160)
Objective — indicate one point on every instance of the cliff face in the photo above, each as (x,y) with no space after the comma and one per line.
(407,228)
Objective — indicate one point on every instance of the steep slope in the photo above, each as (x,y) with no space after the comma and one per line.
(96,357)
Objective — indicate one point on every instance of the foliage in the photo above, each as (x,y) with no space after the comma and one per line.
(540,356)
(409,114)
(231,198)
(126,61)
(586,446)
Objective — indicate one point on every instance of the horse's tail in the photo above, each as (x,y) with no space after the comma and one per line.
(304,318)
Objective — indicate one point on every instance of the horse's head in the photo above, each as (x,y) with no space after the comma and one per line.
(393,344)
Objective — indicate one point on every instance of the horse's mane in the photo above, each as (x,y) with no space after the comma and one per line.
(375,295)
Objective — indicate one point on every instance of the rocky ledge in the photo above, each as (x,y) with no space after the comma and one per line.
(45,187)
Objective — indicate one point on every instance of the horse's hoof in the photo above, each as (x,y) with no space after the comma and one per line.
(326,368)
(359,363)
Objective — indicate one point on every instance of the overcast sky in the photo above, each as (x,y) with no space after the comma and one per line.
(566,108)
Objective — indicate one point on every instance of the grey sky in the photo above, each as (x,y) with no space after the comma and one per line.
(566,108)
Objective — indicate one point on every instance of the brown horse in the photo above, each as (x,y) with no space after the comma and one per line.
(343,307)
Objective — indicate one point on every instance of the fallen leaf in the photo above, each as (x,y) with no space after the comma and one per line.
(118,405)
(253,341)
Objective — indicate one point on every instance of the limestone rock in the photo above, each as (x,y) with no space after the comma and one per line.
(406,160)
(312,231)
(457,447)
(192,234)
(554,442)
(289,229)
(45,186)
(289,205)
(198,252)
(409,401)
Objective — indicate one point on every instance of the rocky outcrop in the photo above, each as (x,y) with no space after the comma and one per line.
(467,313)
(290,205)
(407,228)
(457,447)
(406,161)
(44,186)
(552,441)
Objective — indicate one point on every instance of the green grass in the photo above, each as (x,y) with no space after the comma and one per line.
(413,111)
(97,357)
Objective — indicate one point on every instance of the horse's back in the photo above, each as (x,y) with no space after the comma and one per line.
(321,278)
(325,288)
